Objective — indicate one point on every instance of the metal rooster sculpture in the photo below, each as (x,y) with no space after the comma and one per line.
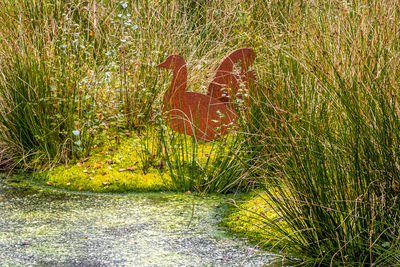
(205,116)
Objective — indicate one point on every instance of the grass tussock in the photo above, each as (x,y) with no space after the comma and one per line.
(327,125)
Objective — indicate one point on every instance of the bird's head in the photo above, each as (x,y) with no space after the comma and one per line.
(172,62)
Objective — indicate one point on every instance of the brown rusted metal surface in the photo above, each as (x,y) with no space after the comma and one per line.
(198,115)
(226,83)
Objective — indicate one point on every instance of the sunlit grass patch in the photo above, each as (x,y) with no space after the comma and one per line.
(127,166)
(153,160)
(251,216)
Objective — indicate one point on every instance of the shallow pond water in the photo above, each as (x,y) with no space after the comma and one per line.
(44,227)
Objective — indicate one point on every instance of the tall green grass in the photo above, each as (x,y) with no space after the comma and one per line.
(28,116)
(328,126)
(216,166)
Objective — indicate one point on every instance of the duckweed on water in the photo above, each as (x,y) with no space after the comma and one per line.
(48,227)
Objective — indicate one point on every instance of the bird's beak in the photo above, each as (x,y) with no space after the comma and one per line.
(162,65)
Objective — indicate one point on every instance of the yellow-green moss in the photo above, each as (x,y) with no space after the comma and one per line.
(250,217)
(129,166)
(135,163)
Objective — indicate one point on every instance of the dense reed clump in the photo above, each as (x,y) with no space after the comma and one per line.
(28,112)
(46,105)
(328,125)
(216,166)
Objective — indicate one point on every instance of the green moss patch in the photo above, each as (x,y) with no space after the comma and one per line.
(118,166)
(151,161)
(251,216)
